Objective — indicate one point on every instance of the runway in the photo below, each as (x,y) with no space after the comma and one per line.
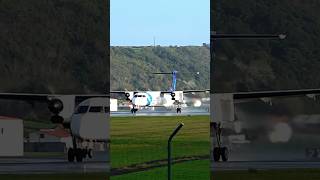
(158,113)
(264,165)
(27,165)
(53,167)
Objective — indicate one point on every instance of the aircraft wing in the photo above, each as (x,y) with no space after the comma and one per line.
(25,96)
(196,91)
(57,103)
(281,93)
(45,97)
(118,92)
(187,91)
(223,103)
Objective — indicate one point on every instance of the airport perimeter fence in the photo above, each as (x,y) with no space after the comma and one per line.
(139,148)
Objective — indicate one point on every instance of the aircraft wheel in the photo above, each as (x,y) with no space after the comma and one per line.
(79,155)
(71,155)
(84,153)
(90,153)
(216,154)
(224,153)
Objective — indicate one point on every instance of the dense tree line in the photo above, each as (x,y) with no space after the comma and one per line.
(53,46)
(132,67)
(246,65)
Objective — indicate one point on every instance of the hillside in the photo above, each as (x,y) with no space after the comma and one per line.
(248,65)
(132,67)
(53,46)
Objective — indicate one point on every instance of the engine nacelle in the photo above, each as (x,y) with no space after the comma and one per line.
(127,96)
(173,96)
(56,119)
(55,106)
(67,125)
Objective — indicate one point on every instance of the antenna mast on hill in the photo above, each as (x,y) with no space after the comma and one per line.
(154,41)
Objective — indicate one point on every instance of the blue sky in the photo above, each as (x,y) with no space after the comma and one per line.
(171,22)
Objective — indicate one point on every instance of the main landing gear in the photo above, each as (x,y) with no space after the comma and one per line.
(134,110)
(179,110)
(78,154)
(219,151)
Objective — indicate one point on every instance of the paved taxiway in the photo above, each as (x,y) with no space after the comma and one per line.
(52,165)
(263,165)
(158,113)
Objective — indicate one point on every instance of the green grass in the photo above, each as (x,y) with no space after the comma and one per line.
(31,126)
(141,139)
(93,176)
(293,174)
(200,170)
(186,171)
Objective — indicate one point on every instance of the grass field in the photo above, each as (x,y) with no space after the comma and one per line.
(198,170)
(141,139)
(293,174)
(193,170)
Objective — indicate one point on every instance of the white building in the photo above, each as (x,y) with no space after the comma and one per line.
(48,140)
(11,136)
(50,135)
(113,104)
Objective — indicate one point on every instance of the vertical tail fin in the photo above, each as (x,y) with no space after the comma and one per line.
(174,79)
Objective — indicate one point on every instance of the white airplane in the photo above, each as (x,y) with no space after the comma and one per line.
(225,128)
(86,116)
(140,99)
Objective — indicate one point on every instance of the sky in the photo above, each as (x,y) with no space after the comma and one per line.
(169,22)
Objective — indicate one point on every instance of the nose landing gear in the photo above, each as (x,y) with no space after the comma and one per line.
(219,151)
(78,154)
(134,111)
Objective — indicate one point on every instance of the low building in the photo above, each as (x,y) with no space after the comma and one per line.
(113,104)
(48,140)
(11,136)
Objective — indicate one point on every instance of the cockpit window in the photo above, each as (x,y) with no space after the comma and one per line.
(96,109)
(82,109)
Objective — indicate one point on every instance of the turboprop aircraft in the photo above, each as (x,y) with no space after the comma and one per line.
(169,98)
(85,116)
(225,128)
